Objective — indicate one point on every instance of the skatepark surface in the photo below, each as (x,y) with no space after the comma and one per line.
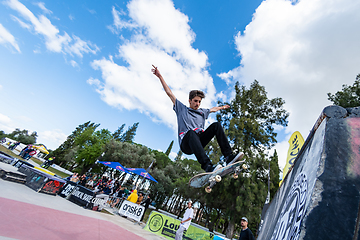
(320,196)
(26,214)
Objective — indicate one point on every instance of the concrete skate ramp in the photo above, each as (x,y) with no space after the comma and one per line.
(319,198)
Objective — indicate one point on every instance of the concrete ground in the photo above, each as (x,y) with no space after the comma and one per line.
(26,214)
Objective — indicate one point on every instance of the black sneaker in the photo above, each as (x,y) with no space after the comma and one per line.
(233,158)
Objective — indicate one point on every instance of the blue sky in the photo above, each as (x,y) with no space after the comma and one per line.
(67,62)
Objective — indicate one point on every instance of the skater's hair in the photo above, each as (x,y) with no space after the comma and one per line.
(196,93)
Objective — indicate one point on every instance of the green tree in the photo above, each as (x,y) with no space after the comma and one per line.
(168,150)
(128,136)
(161,159)
(274,174)
(249,124)
(91,144)
(61,153)
(165,186)
(119,132)
(2,134)
(23,136)
(349,96)
(129,155)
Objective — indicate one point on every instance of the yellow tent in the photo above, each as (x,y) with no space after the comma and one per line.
(42,148)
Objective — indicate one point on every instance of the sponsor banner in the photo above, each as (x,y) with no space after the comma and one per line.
(166,226)
(52,187)
(5,158)
(100,201)
(81,196)
(296,142)
(19,163)
(40,181)
(67,189)
(131,210)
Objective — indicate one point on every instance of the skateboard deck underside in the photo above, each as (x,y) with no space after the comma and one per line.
(202,179)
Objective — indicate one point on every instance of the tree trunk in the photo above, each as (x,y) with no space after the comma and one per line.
(225,226)
(230,229)
(216,219)
(178,206)
(172,204)
(198,213)
(166,203)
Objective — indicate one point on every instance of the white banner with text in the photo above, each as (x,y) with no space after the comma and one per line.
(131,210)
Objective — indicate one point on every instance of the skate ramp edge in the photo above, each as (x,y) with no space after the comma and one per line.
(319,198)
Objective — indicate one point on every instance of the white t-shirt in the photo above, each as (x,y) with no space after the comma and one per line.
(189,213)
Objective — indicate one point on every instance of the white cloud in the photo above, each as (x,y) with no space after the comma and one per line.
(92,81)
(6,123)
(80,47)
(119,23)
(92,11)
(173,155)
(74,63)
(300,51)
(37,50)
(164,41)
(21,23)
(7,38)
(51,138)
(41,5)
(23,118)
(4,119)
(54,41)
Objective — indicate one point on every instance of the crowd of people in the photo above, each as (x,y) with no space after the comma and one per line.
(27,152)
(110,189)
(13,145)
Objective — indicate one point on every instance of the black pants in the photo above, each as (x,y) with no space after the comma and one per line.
(194,143)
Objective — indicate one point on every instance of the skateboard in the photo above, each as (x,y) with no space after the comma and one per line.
(212,178)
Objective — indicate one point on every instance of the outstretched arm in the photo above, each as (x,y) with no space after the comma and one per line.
(215,109)
(168,91)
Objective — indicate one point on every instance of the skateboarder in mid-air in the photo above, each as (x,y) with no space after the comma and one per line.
(191,121)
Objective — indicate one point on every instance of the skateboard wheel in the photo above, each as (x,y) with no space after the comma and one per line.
(208,189)
(235,176)
(244,166)
(217,178)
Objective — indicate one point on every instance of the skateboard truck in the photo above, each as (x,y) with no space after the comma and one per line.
(213,180)
(238,170)
(217,178)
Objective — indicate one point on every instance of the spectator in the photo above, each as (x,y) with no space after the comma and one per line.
(126,192)
(245,233)
(185,222)
(29,152)
(49,162)
(133,197)
(116,186)
(119,196)
(90,183)
(82,180)
(140,198)
(74,178)
(146,204)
